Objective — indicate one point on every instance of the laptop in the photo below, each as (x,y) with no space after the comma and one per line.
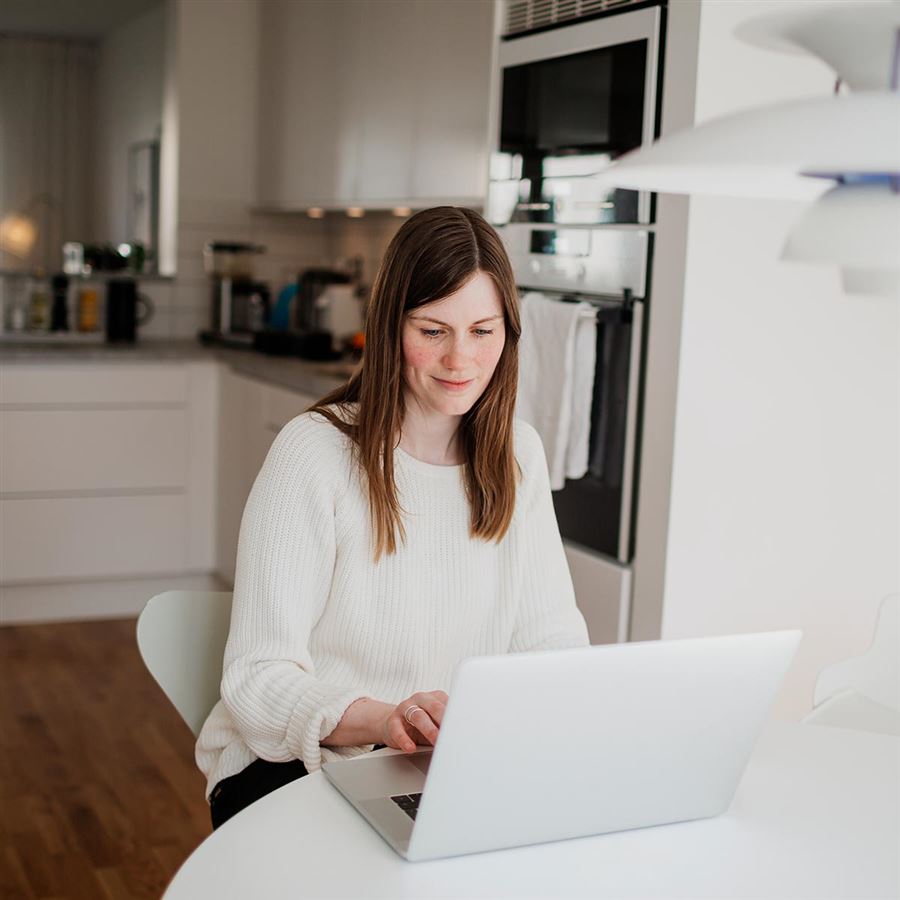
(556,744)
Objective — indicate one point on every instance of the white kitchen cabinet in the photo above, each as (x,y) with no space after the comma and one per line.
(453,76)
(106,470)
(374,103)
(51,538)
(309,103)
(251,415)
(388,98)
(238,396)
(93,449)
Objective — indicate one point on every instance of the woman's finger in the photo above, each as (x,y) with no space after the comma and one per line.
(399,737)
(434,702)
(421,720)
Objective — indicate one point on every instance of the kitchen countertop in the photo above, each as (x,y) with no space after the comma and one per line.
(305,376)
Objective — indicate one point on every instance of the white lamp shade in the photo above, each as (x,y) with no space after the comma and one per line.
(856,39)
(761,152)
(853,225)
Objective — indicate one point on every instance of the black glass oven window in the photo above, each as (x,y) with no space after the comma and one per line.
(586,102)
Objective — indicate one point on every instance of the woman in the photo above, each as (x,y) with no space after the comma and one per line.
(403,523)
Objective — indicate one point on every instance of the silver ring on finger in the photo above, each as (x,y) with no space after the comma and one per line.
(409,711)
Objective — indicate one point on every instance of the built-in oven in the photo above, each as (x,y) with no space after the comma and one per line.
(573,95)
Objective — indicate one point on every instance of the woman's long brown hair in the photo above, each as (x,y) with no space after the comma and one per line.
(435,252)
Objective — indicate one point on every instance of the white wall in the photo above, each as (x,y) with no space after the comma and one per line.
(130,93)
(785,502)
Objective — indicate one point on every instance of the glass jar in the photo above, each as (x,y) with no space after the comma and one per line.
(39,306)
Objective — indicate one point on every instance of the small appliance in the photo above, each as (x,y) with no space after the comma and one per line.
(239,304)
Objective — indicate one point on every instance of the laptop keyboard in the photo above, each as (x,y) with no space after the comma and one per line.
(409,803)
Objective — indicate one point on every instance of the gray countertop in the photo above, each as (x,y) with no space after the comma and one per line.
(305,376)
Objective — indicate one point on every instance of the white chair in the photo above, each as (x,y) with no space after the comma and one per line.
(863,692)
(181,637)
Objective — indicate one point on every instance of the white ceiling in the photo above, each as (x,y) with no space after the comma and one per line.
(87,19)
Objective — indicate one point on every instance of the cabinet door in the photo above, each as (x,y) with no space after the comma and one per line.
(309,101)
(252,414)
(389,97)
(276,408)
(453,77)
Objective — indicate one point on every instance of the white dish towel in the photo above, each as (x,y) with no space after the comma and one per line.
(557,358)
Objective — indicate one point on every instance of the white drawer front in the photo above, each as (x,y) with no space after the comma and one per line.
(68,450)
(123,383)
(88,537)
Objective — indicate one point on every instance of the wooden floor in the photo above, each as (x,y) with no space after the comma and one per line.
(99,794)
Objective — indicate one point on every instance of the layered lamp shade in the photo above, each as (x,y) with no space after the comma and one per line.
(842,152)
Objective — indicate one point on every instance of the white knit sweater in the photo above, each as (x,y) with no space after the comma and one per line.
(315,624)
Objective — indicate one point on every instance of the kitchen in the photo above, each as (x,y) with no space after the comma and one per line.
(747,516)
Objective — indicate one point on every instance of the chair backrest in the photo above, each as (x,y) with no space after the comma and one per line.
(181,637)
(875,674)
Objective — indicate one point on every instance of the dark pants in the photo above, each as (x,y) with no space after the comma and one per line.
(261,777)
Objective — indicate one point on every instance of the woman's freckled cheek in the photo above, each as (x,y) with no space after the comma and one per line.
(489,356)
(419,357)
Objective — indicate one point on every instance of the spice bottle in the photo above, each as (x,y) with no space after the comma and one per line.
(39,307)
(88,308)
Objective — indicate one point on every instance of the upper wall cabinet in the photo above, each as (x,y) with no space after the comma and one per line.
(309,125)
(375,103)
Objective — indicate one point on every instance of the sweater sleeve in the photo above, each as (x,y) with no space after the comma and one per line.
(548,618)
(285,561)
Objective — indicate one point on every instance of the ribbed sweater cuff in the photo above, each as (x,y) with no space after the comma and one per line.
(316,715)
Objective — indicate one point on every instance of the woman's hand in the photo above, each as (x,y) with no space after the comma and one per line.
(420,727)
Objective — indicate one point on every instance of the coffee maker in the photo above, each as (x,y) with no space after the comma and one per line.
(239,305)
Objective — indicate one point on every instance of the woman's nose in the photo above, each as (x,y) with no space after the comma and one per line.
(457,355)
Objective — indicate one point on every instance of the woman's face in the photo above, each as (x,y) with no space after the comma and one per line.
(451,347)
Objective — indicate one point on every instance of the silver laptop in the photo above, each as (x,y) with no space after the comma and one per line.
(558,744)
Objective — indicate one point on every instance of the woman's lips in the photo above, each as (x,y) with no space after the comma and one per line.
(454,386)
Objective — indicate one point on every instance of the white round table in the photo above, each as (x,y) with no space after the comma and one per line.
(817,815)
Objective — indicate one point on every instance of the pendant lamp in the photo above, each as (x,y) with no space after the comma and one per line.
(841,151)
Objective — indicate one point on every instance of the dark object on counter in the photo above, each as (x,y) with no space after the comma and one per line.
(59,315)
(83,259)
(122,300)
(315,345)
(311,283)
(104,258)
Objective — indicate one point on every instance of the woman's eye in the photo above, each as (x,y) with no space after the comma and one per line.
(430,332)
(483,332)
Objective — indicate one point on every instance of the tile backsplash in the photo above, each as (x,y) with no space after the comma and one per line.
(293,242)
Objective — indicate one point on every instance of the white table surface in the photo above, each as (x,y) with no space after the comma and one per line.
(817,815)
